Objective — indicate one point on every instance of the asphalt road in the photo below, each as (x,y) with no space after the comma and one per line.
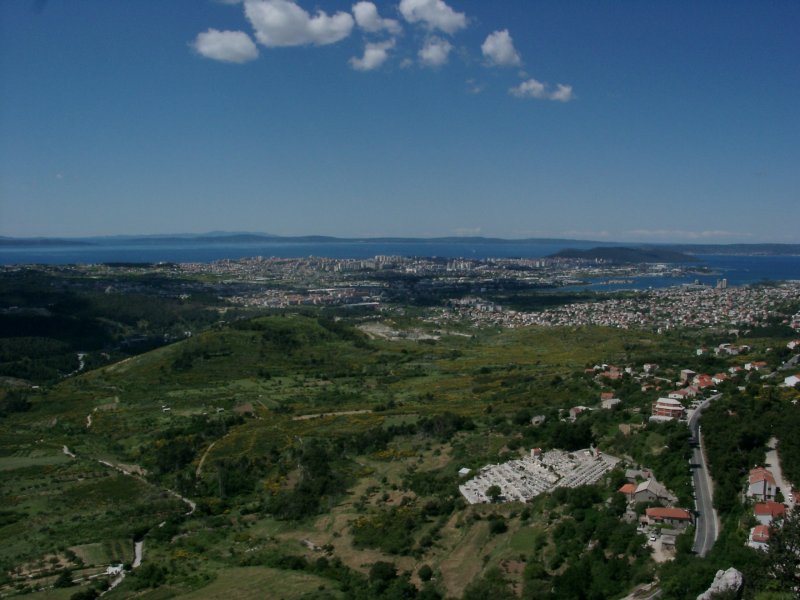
(706,523)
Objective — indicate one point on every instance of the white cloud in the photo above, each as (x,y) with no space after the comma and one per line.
(374,56)
(563,93)
(473,87)
(498,48)
(529,89)
(435,52)
(227,46)
(536,89)
(367,17)
(434,14)
(284,23)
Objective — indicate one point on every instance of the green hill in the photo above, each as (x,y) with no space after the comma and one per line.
(626,255)
(308,453)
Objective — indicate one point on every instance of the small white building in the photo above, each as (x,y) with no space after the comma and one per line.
(113,570)
(792,380)
(684,393)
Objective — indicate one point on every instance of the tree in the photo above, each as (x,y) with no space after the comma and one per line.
(494,492)
(497,525)
(381,574)
(491,585)
(783,554)
(64,579)
(87,594)
(425,573)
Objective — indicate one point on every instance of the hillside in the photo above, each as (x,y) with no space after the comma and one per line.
(223,418)
(299,448)
(626,255)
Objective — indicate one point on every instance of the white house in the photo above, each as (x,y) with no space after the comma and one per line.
(759,537)
(761,484)
(792,380)
(666,409)
(113,570)
(683,394)
(756,365)
(607,400)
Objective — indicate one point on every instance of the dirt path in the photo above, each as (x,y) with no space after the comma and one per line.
(137,472)
(81,364)
(138,553)
(199,469)
(331,414)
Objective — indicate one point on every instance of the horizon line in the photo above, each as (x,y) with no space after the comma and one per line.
(465,237)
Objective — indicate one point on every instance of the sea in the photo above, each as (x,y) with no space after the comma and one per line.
(737,269)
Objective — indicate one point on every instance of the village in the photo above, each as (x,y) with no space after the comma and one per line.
(691,306)
(767,493)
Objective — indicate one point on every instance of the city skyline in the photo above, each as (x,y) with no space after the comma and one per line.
(422,118)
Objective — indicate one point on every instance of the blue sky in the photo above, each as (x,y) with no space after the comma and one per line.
(626,120)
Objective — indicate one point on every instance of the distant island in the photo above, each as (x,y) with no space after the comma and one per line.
(674,252)
(41,242)
(626,255)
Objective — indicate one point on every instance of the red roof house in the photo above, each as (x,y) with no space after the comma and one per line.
(628,489)
(669,516)
(759,537)
(761,484)
(766,512)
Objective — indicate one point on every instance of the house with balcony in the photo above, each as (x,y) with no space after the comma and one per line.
(761,485)
(667,409)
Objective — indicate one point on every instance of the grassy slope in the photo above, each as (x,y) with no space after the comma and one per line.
(252,583)
(285,367)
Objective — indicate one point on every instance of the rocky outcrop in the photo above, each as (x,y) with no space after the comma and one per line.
(725,581)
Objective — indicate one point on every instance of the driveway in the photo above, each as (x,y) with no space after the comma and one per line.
(774,466)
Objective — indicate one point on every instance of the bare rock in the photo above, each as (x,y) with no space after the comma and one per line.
(725,581)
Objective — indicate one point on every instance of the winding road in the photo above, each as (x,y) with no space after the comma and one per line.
(707,523)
